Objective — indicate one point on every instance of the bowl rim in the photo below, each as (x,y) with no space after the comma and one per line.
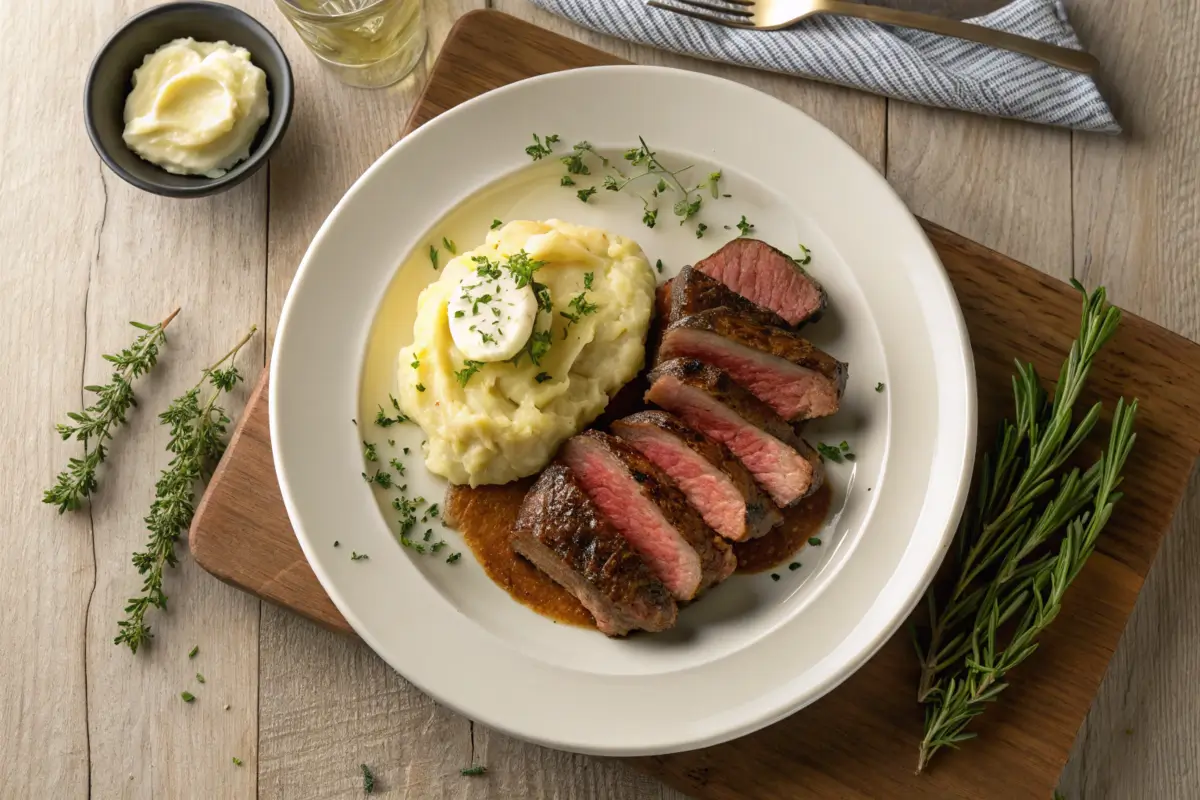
(240,172)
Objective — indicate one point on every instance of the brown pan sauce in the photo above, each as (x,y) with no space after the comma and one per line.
(485,516)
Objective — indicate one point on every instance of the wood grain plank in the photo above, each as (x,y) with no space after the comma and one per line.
(207,257)
(46,565)
(328,705)
(1137,231)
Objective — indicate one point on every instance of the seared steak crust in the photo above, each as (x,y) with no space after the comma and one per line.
(563,534)
(692,292)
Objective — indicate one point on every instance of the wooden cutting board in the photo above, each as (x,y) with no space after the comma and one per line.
(860,741)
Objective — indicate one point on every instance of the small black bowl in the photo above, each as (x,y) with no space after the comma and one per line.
(111,79)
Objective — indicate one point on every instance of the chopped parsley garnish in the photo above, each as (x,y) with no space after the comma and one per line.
(658,266)
(449,245)
(588,277)
(237,762)
(459,314)
(199,677)
(358,556)
(585,194)
(542,377)
(433,256)
(368,779)
(476,770)
(428,532)
(384,421)
(539,345)
(815,541)
(522,268)
(700,229)
(879,387)
(580,308)
(795,565)
(566,180)
(486,338)
(195,649)
(433,511)
(744,227)
(805,256)
(650,217)
(468,370)
(397,465)
(369,452)
(391,442)
(380,478)
(187,696)
(496,224)
(406,451)
(450,559)
(836,454)
(687,209)
(574,162)
(714,178)
(774,576)
(416,362)
(420,387)
(337,543)
(537,151)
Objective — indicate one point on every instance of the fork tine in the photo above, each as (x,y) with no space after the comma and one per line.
(721,9)
(726,21)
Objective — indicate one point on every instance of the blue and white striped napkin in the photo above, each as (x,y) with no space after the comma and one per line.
(897,62)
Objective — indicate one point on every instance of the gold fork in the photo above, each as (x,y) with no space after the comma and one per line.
(770,15)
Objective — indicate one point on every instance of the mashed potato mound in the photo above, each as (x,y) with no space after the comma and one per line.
(505,423)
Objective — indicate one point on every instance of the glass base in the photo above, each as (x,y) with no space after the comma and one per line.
(382,73)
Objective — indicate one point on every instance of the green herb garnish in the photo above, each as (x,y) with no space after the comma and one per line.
(354,556)
(433,256)
(744,227)
(449,245)
(197,442)
(450,559)
(700,229)
(585,194)
(496,224)
(369,452)
(420,387)
(542,377)
(469,369)
(879,387)
(397,465)
(774,576)
(805,256)
(658,266)
(795,565)
(476,770)
(566,180)
(537,151)
(96,422)
(381,479)
(187,696)
(368,778)
(237,762)
(195,649)
(1029,532)
(714,178)
(815,541)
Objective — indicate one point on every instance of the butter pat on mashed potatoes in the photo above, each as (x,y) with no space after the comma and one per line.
(493,422)
(195,107)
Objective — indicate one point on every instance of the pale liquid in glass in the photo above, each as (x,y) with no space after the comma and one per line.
(369,43)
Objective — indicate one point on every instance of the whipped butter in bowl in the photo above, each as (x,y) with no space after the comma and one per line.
(196,107)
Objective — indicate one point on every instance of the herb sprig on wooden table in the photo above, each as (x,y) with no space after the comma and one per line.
(94,425)
(198,426)
(1031,529)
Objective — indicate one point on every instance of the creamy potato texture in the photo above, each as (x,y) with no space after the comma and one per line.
(505,420)
(195,107)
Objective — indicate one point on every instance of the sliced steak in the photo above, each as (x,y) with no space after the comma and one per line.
(767,277)
(707,399)
(564,535)
(706,472)
(640,502)
(784,370)
(691,291)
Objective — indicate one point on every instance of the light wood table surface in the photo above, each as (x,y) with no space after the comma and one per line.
(83,253)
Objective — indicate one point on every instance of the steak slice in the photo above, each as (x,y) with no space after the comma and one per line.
(709,401)
(691,291)
(784,370)
(640,502)
(767,277)
(706,472)
(564,535)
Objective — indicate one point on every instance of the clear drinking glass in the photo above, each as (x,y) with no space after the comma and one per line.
(368,43)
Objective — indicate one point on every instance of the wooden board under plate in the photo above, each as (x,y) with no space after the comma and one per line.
(860,741)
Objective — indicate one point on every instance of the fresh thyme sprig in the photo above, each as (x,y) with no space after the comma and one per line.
(1009,570)
(197,442)
(95,423)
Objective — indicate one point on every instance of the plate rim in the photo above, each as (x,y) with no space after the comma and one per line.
(881,635)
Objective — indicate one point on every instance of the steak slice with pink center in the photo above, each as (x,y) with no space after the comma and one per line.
(691,291)
(653,516)
(564,535)
(784,370)
(767,277)
(707,399)
(706,472)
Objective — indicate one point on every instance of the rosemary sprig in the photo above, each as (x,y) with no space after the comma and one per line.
(1008,568)
(197,442)
(95,423)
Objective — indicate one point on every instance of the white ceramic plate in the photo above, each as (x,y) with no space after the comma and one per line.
(755,649)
